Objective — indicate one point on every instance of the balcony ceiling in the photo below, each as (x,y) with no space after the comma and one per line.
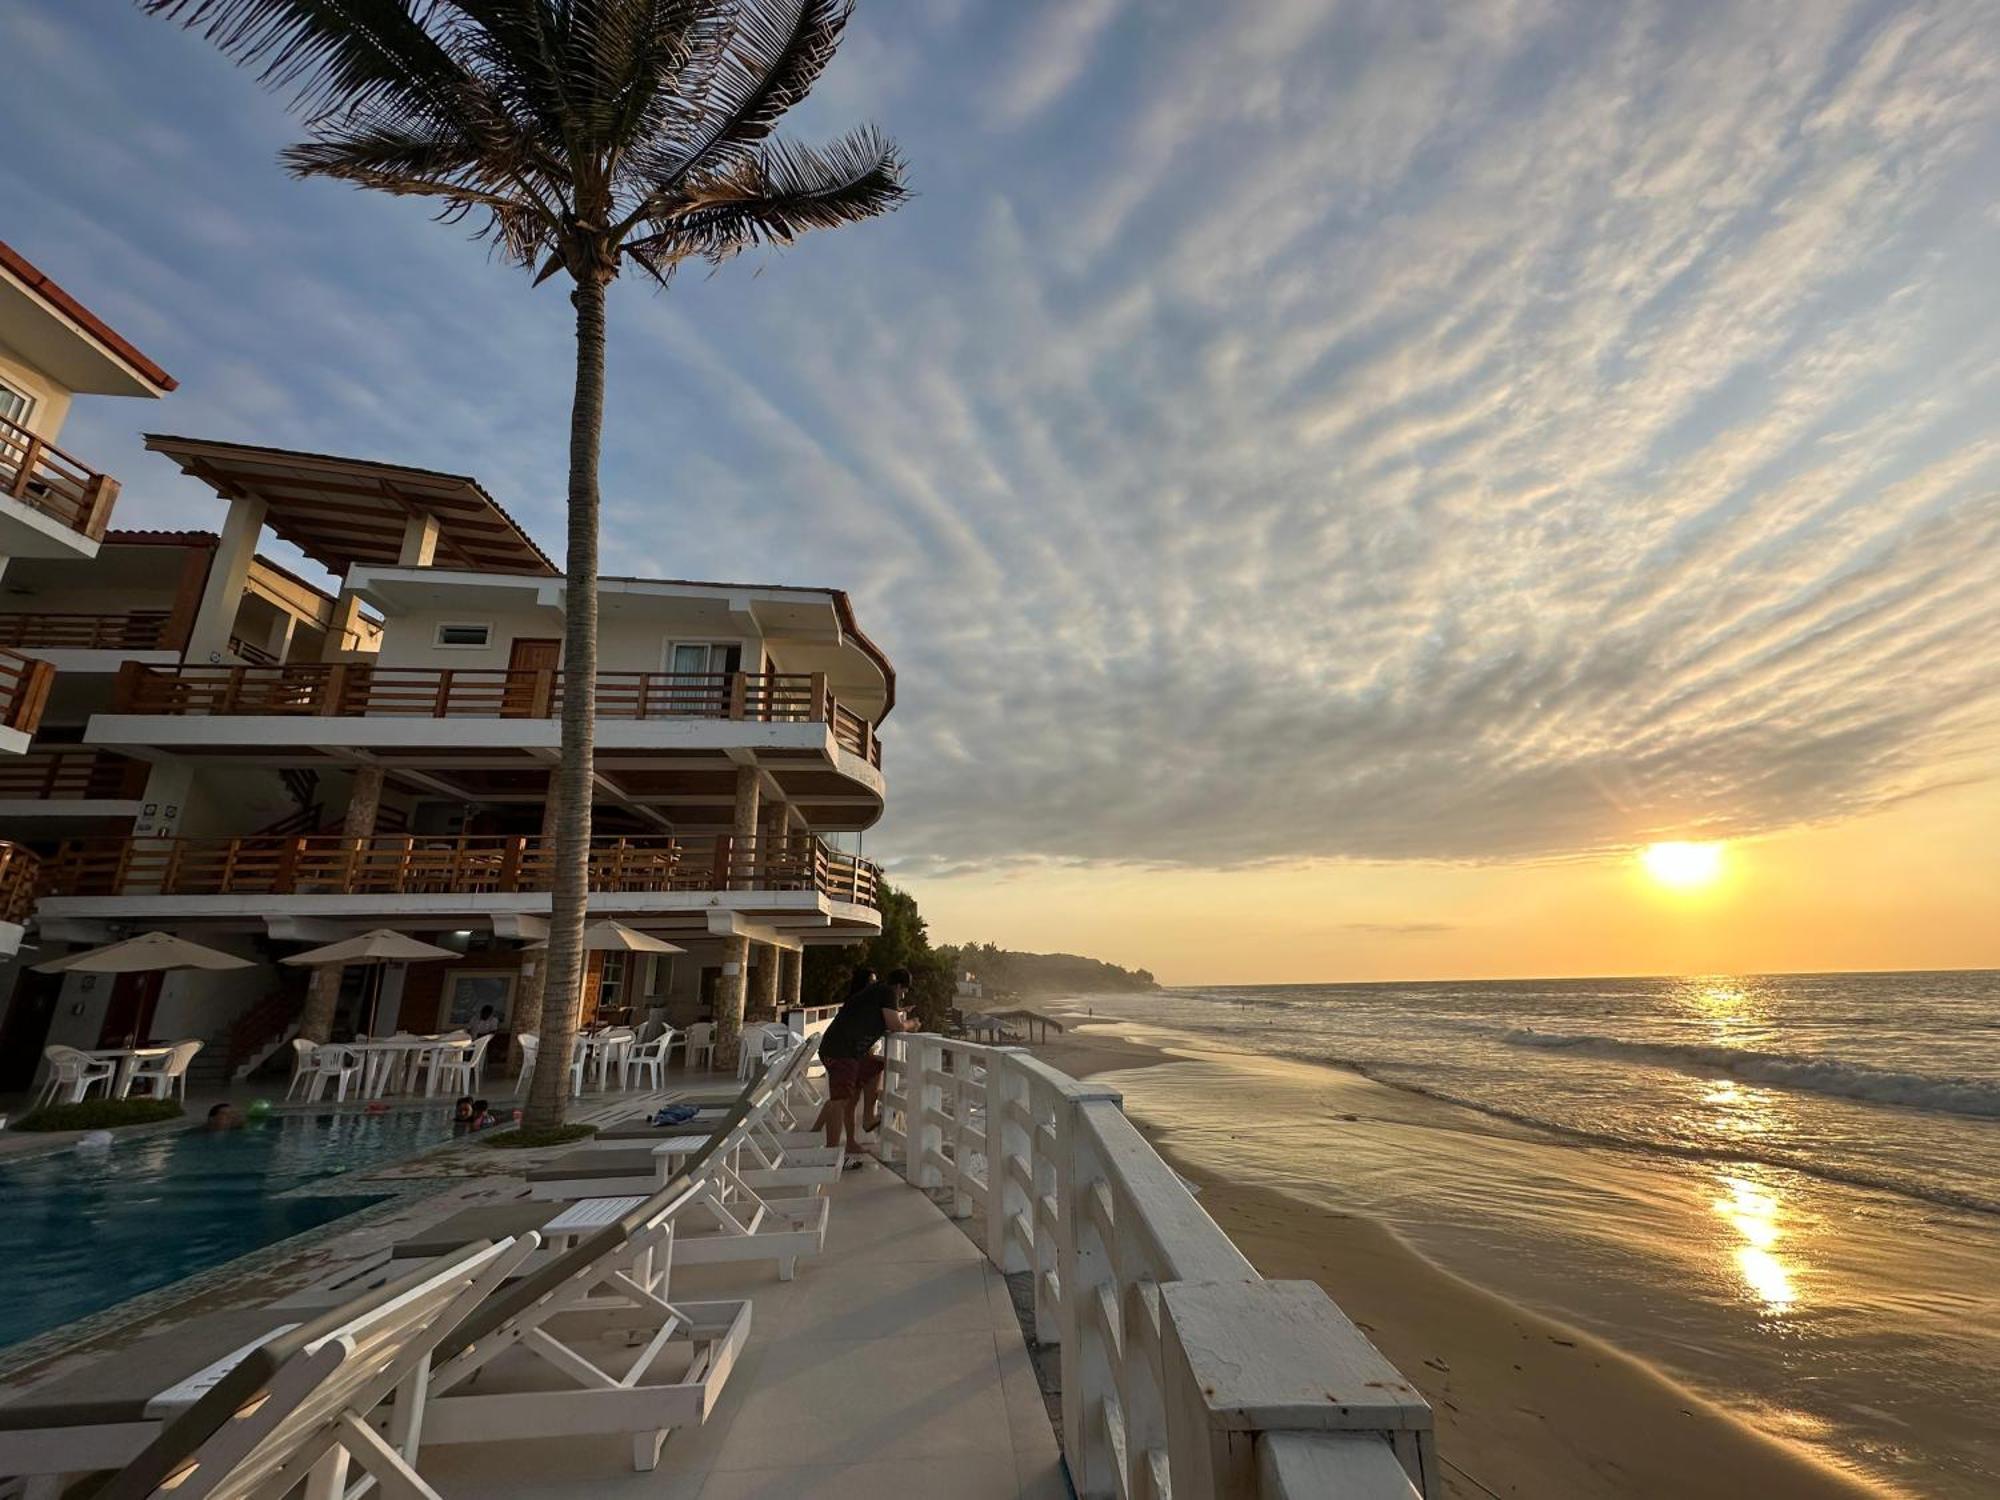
(51,330)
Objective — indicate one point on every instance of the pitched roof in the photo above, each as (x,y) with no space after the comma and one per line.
(343,511)
(45,287)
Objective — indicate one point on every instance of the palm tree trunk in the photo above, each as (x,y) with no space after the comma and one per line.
(562,990)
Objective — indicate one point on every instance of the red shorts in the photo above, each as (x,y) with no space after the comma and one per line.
(846,1075)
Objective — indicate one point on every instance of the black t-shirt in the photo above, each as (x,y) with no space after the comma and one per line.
(859,1025)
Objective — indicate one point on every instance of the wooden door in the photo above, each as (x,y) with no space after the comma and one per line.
(529,656)
(26,1030)
(128,1019)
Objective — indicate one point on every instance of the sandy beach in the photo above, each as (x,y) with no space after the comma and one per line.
(1525,1405)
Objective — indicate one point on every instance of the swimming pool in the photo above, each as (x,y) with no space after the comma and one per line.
(82,1230)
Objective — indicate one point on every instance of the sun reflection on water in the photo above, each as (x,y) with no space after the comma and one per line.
(1755,1213)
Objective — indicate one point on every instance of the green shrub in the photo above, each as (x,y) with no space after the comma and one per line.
(101,1114)
(516,1140)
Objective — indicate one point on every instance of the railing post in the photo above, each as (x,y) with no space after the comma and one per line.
(333,690)
(1006,1144)
(98,499)
(286,878)
(1089,1295)
(822,710)
(1242,1361)
(31,459)
(125,688)
(739,692)
(510,864)
(924,1137)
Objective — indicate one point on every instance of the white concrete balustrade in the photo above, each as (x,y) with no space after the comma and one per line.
(1185,1374)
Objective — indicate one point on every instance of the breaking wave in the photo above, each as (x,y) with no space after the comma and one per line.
(1818,1075)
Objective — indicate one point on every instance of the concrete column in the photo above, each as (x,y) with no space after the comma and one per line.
(364,801)
(763,1003)
(222,596)
(420,540)
(791,977)
(343,632)
(744,826)
(729,1001)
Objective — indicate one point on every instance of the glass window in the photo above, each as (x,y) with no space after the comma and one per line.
(15,406)
(464,635)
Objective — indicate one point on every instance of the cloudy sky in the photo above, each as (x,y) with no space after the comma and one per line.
(1334,475)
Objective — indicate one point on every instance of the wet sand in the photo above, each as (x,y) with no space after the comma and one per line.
(1524,1404)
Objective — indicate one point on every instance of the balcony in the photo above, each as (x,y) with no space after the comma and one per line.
(414,865)
(71,774)
(48,630)
(39,475)
(24,692)
(365,690)
(20,870)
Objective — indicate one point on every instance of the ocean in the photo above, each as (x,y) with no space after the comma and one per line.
(1783,1190)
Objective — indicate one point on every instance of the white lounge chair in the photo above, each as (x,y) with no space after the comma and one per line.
(254,1401)
(76,1072)
(163,1077)
(575,1348)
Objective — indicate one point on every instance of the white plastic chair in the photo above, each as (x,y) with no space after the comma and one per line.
(302,1051)
(163,1077)
(700,1039)
(458,1071)
(614,1048)
(332,1061)
(649,1059)
(76,1071)
(530,1045)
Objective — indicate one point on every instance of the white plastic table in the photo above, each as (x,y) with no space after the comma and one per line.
(126,1058)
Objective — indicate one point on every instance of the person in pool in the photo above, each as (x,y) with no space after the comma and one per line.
(224,1116)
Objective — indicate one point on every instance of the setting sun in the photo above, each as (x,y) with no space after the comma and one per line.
(1682,866)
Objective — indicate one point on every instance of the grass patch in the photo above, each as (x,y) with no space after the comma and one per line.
(101,1114)
(521,1140)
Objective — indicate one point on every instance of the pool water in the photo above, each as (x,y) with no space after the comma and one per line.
(83,1230)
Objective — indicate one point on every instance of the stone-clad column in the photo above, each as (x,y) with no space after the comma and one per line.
(729,1002)
(764,984)
(364,802)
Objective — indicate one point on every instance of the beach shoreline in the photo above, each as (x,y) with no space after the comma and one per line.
(1524,1403)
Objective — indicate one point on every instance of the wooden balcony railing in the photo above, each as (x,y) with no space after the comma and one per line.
(24,690)
(363,689)
(406,864)
(70,774)
(20,871)
(39,474)
(48,630)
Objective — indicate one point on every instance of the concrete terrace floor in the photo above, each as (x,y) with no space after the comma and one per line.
(892,1368)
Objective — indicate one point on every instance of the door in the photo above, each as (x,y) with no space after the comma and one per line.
(128,1019)
(26,1031)
(698,676)
(526,658)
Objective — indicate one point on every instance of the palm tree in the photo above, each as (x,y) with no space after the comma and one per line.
(577,135)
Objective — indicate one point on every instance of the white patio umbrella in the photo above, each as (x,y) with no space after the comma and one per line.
(149,953)
(376,948)
(608,936)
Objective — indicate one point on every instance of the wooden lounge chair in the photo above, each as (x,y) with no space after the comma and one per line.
(220,1404)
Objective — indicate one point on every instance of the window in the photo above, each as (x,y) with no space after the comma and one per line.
(699,672)
(470,992)
(464,635)
(15,406)
(700,658)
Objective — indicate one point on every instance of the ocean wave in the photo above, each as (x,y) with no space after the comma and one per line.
(1921,1190)
(1819,1075)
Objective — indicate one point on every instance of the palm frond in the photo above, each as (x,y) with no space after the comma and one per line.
(755,69)
(339,55)
(773,197)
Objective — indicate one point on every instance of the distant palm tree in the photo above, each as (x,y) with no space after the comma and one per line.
(579,134)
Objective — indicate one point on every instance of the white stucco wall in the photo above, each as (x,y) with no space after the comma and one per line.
(51,400)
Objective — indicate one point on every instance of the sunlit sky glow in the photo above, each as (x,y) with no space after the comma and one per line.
(1336,478)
